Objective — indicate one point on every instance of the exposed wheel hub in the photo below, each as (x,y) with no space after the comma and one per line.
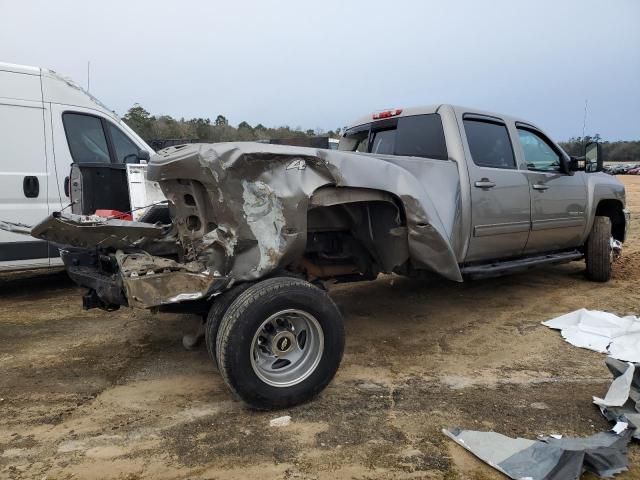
(287,348)
(282,342)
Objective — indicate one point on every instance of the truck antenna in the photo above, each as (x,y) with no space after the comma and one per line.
(584,120)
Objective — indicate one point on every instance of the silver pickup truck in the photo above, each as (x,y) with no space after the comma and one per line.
(250,232)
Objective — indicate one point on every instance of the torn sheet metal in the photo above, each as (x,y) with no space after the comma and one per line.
(622,402)
(254,200)
(153,281)
(14,227)
(603,454)
(602,332)
(90,231)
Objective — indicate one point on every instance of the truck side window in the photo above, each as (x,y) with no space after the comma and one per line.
(489,144)
(538,154)
(421,136)
(411,136)
(126,151)
(384,142)
(86,138)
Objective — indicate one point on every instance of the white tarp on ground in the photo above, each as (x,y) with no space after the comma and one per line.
(601,331)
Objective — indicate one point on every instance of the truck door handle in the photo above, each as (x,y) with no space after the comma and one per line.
(31,187)
(484,183)
(540,186)
(67,184)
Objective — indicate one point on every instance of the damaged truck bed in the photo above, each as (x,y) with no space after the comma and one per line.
(244,211)
(251,231)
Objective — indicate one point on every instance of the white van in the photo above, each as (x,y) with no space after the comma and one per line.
(47,123)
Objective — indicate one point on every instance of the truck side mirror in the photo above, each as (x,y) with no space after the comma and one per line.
(593,161)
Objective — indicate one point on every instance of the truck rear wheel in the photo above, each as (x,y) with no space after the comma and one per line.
(280,343)
(599,252)
(220,305)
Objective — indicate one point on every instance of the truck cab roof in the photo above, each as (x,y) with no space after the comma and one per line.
(382,115)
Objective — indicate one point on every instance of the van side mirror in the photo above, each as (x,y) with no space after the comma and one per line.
(593,161)
(144,155)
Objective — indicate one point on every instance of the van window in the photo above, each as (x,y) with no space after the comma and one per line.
(125,150)
(86,138)
(413,136)
(489,144)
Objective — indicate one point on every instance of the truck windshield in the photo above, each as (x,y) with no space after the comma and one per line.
(415,136)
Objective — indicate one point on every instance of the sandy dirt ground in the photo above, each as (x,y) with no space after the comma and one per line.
(115,395)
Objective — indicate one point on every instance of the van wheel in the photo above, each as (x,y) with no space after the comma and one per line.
(220,305)
(599,253)
(280,343)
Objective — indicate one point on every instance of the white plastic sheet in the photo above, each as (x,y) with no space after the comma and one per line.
(601,331)
(618,393)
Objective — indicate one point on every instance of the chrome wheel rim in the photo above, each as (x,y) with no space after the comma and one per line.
(287,348)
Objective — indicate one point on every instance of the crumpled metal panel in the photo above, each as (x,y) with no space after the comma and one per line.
(604,454)
(153,281)
(88,231)
(241,208)
(239,213)
(622,401)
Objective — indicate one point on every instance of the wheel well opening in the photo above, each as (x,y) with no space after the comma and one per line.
(614,210)
(356,239)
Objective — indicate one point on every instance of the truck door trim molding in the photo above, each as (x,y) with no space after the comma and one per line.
(557,223)
(500,228)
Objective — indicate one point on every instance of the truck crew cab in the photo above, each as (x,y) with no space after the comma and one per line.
(254,230)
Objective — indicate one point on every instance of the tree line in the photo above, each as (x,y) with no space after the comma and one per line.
(164,127)
(154,129)
(621,151)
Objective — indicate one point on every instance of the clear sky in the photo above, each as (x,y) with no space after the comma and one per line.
(325,63)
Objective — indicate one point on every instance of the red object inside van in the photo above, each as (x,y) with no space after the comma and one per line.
(115,214)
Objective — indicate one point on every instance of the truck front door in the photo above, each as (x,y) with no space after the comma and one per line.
(558,200)
(500,200)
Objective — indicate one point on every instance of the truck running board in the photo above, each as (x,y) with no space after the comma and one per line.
(496,269)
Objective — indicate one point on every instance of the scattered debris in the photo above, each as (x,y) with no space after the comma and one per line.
(558,458)
(280,421)
(604,454)
(621,404)
(601,331)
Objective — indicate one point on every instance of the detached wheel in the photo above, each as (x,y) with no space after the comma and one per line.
(599,252)
(280,343)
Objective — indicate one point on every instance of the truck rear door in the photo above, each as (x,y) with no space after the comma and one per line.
(500,199)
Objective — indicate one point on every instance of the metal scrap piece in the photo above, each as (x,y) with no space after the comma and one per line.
(622,401)
(91,232)
(152,281)
(604,454)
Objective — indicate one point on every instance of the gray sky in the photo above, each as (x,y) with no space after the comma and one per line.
(323,64)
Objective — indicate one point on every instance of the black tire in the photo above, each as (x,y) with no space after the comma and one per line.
(242,322)
(220,305)
(598,253)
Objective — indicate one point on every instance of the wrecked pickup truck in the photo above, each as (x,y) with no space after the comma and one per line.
(251,232)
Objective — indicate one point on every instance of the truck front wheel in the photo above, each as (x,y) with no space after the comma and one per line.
(599,251)
(280,343)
